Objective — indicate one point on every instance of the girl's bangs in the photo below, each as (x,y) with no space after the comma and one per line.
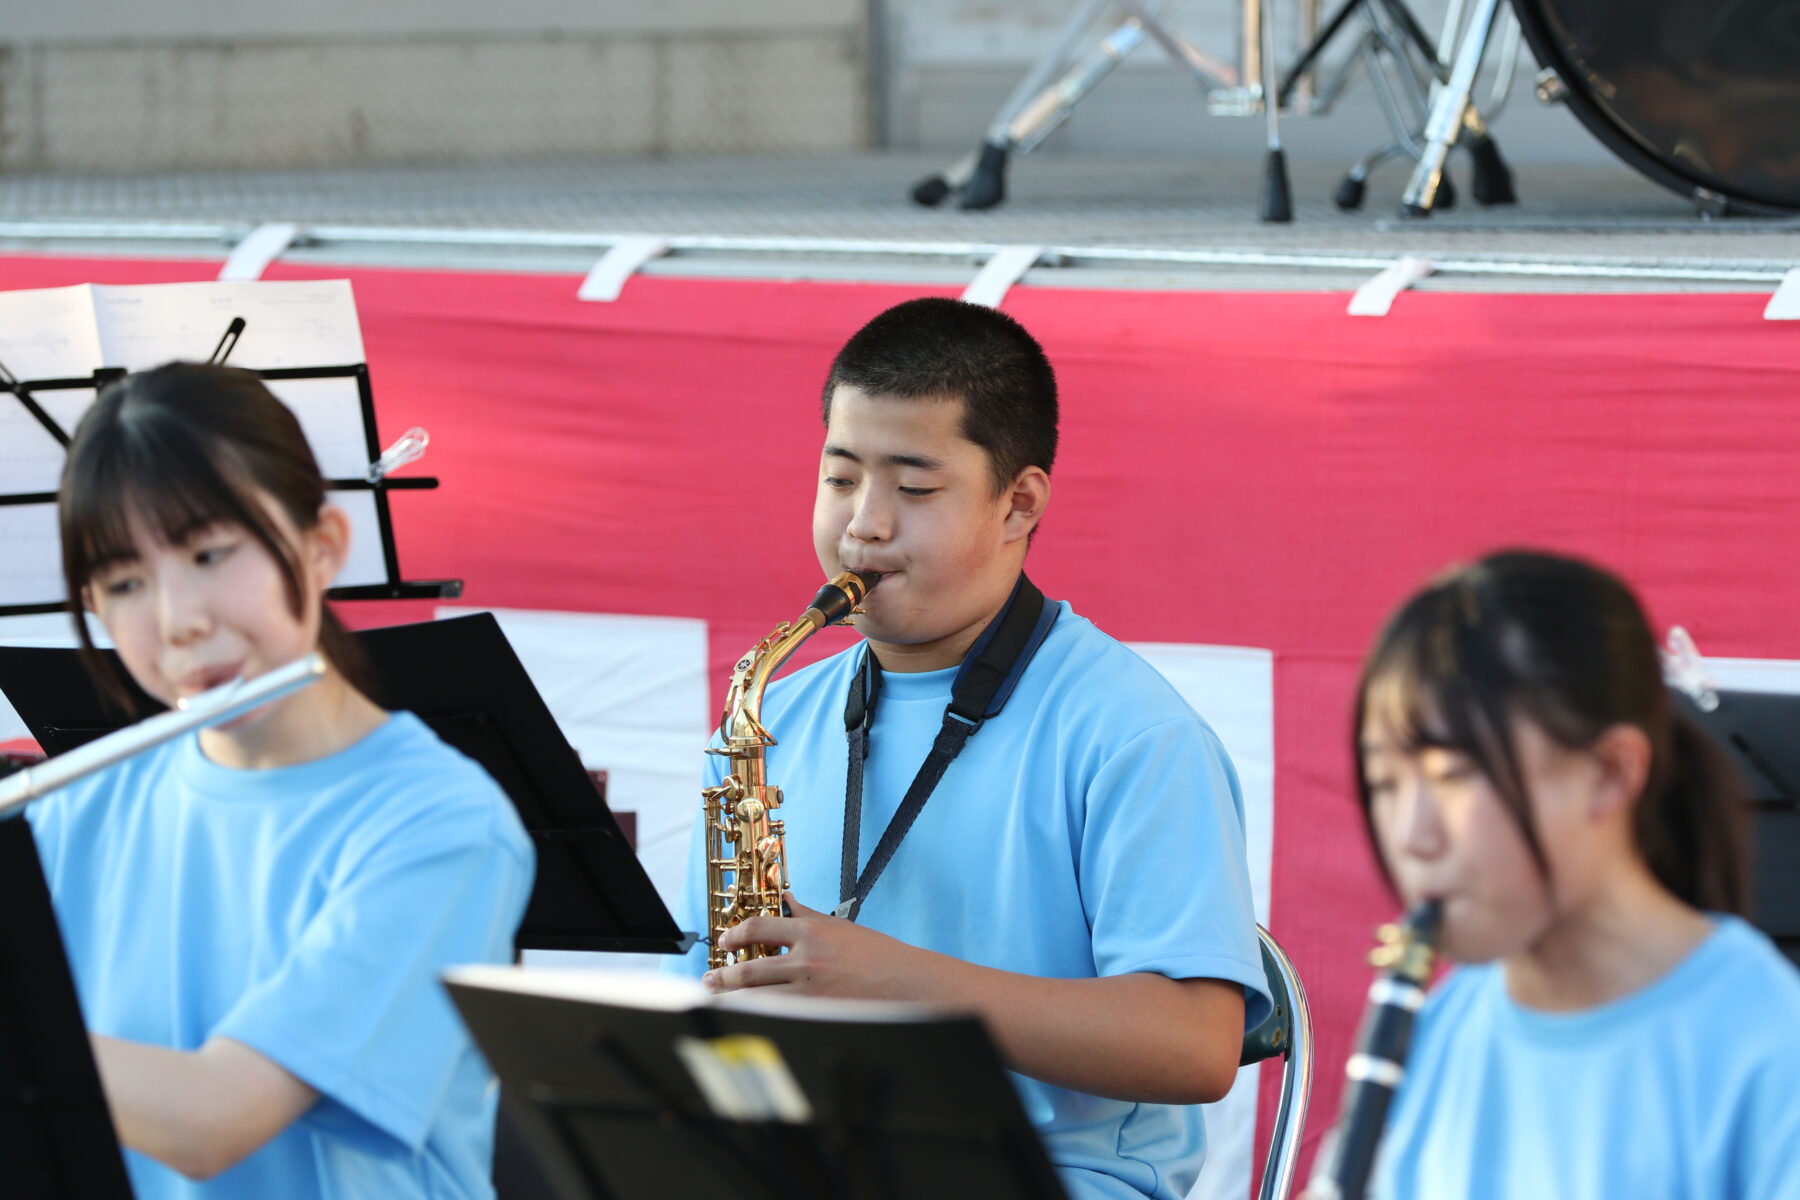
(134,482)
(1418,685)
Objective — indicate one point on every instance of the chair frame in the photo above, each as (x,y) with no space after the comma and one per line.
(1282,1162)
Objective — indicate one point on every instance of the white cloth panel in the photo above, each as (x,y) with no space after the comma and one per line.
(630,693)
(1779,675)
(1234,689)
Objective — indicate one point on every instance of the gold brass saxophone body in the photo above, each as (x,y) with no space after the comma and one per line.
(746,855)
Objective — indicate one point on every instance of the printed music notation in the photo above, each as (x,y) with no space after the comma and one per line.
(30,555)
(286,323)
(50,333)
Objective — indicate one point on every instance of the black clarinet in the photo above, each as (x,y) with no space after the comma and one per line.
(1374,1071)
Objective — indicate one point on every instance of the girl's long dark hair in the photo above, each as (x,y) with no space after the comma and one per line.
(179,448)
(1565,645)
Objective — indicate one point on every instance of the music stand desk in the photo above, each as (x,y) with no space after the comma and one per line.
(56,1133)
(896,1102)
(461,677)
(1761,733)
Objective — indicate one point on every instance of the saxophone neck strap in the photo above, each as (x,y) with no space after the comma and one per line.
(986,680)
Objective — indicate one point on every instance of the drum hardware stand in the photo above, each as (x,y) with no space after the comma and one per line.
(1453,115)
(1058,81)
(1401,62)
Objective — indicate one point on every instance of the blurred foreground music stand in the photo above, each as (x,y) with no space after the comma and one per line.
(646,1100)
(1761,733)
(56,1134)
(462,679)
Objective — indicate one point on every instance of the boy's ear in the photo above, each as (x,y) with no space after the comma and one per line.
(1028,497)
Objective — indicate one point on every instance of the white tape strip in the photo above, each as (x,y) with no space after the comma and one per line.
(252,256)
(1784,305)
(999,273)
(616,267)
(1374,298)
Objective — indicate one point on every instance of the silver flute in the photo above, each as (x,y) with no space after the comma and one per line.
(196,712)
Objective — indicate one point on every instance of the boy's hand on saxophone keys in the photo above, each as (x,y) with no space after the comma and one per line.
(826,956)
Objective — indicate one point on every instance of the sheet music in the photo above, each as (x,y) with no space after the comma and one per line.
(365,564)
(31,551)
(49,333)
(58,333)
(30,459)
(45,333)
(30,555)
(306,323)
(330,415)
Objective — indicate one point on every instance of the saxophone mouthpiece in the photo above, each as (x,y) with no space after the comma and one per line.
(839,598)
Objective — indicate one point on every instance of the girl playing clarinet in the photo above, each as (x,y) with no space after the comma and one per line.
(1616,1029)
(256,915)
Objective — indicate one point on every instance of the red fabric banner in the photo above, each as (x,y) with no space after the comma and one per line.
(1253,469)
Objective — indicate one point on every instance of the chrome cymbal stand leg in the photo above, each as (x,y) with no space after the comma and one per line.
(1399,80)
(1490,178)
(933,189)
(1052,88)
(1349,196)
(1278,200)
(1449,112)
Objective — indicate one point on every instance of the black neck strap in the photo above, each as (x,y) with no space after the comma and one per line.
(983,684)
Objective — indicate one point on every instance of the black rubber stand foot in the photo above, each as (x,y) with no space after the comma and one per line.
(987,186)
(1350,193)
(931,191)
(1446,197)
(1492,182)
(1278,197)
(1414,212)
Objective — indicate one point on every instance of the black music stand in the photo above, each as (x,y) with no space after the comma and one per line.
(390,586)
(56,1134)
(1761,733)
(894,1107)
(461,678)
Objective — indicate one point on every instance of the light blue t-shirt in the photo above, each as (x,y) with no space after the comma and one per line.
(1687,1089)
(306,912)
(1093,828)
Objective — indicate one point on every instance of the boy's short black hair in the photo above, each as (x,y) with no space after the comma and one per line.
(940,349)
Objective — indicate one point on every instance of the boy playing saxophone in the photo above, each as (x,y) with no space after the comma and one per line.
(1073,870)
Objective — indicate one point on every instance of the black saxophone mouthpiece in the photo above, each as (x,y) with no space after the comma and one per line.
(837,600)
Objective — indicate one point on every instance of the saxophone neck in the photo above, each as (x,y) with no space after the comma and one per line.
(741,723)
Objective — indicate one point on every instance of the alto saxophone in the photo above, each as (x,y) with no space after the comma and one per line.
(746,858)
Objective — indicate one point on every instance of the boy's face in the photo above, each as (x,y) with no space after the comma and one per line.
(903,492)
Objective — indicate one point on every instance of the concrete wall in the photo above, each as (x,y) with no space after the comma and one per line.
(95,84)
(117,85)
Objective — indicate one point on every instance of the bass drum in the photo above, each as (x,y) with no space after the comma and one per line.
(1703,96)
